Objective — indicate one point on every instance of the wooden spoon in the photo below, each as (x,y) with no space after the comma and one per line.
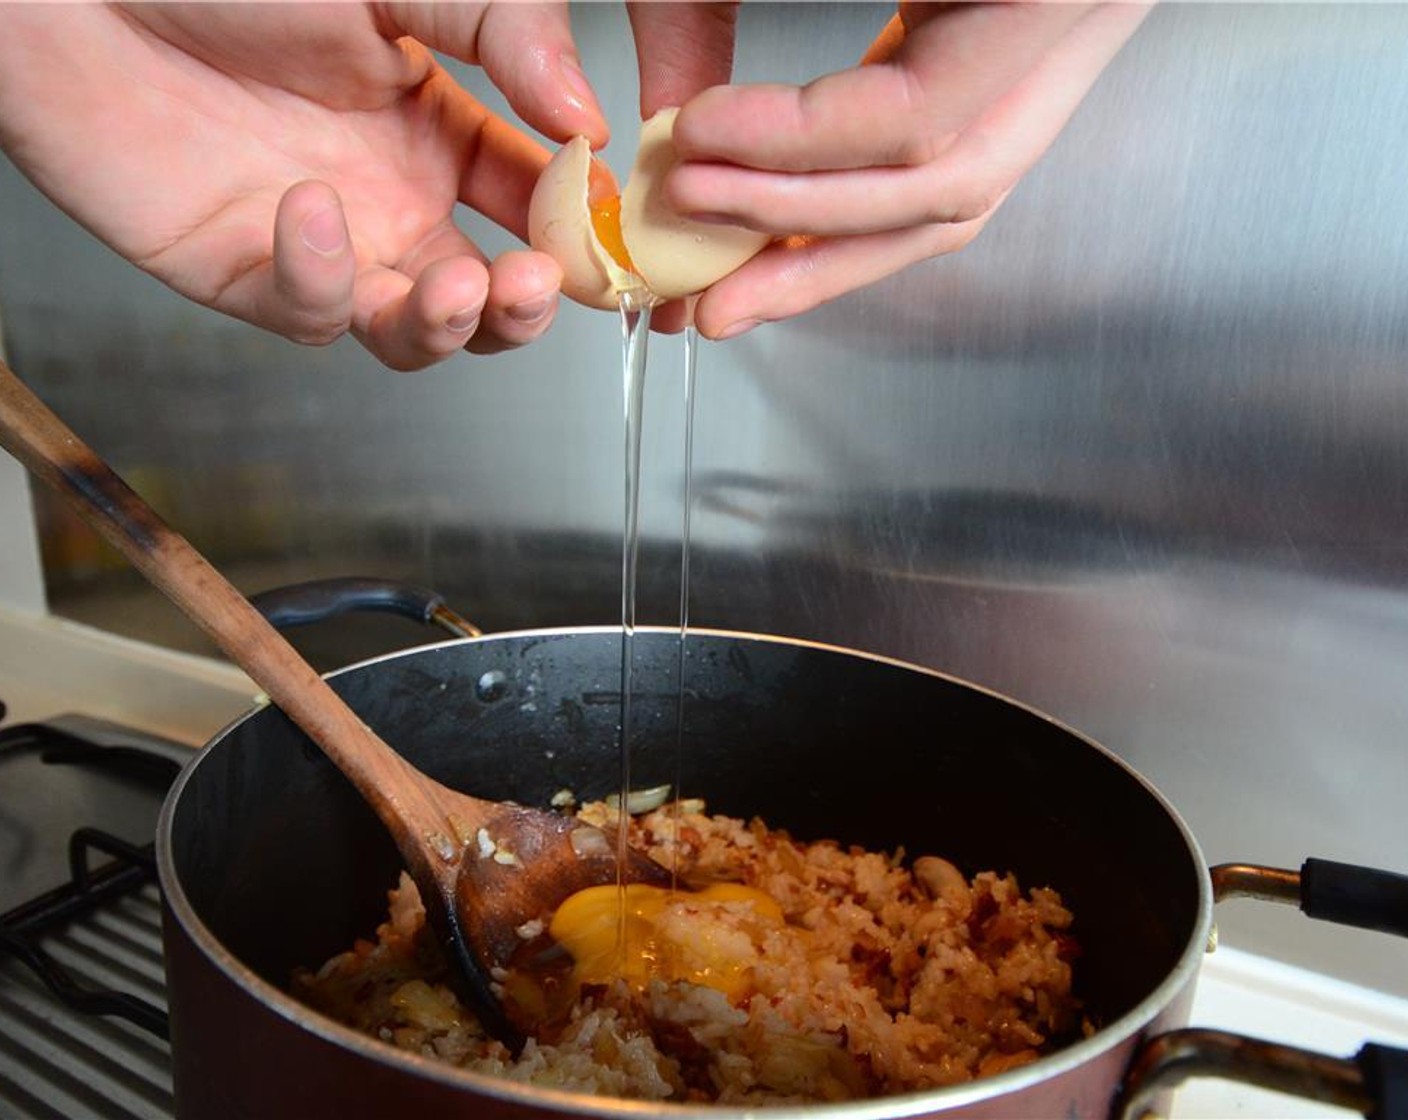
(484,868)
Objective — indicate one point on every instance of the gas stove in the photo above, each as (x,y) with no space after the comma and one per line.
(82,1005)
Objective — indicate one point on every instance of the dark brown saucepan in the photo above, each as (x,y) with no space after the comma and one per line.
(270,861)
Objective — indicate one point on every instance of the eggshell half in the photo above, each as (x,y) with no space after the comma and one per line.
(560,224)
(674,255)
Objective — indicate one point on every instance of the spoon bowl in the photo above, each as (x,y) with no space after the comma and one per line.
(484,868)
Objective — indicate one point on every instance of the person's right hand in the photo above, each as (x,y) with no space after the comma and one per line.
(873,168)
(298,165)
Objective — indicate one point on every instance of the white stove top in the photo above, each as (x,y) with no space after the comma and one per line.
(1253,995)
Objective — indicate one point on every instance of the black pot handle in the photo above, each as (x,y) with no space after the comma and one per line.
(302,603)
(1373,1082)
(1354,896)
(1333,892)
(1386,1078)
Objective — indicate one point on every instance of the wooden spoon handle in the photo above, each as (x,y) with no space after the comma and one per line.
(401,795)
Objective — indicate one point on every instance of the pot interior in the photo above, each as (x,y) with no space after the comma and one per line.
(285,866)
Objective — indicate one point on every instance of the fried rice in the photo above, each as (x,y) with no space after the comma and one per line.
(884,975)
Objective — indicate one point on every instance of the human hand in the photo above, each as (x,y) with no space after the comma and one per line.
(866,171)
(297,166)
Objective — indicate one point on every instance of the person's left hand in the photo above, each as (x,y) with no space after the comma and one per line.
(298,165)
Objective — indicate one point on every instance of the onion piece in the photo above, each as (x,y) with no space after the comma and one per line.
(640,801)
(563,799)
(589,842)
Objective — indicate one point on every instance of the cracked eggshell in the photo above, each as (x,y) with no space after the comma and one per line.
(675,255)
(560,225)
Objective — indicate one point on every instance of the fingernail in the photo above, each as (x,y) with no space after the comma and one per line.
(463,320)
(733,330)
(530,310)
(576,79)
(324,232)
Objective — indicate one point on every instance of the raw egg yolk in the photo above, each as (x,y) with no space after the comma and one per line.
(606,224)
(714,950)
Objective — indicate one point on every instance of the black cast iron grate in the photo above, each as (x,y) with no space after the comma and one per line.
(24,930)
(82,986)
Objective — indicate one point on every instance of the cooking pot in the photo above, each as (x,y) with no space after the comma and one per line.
(269,861)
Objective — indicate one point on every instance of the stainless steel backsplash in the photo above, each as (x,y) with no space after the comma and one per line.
(1138,457)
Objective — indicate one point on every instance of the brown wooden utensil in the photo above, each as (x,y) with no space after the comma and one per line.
(484,868)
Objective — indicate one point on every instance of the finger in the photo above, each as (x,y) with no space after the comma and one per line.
(409,324)
(900,112)
(522,302)
(304,290)
(682,48)
(961,184)
(789,278)
(955,188)
(673,317)
(501,163)
(500,179)
(442,241)
(527,51)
